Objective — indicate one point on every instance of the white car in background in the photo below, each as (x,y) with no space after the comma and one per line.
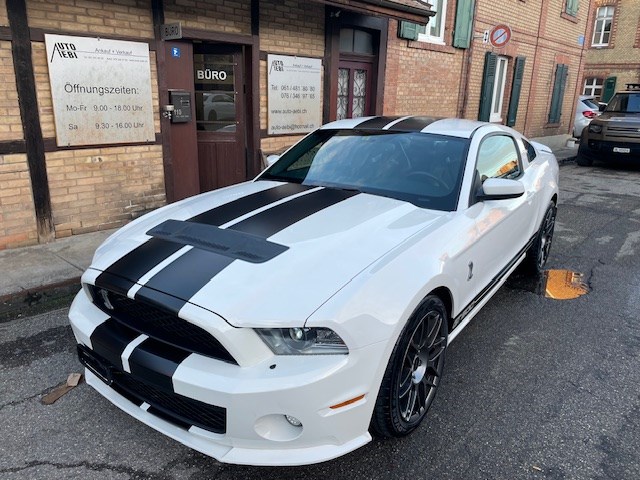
(284,320)
(586,110)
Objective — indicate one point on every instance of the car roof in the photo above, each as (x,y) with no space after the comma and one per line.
(454,127)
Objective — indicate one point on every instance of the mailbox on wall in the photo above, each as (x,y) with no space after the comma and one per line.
(181,101)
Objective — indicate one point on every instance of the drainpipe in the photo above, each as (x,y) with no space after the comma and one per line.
(466,67)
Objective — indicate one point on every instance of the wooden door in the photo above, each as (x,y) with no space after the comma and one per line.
(220,115)
(354,89)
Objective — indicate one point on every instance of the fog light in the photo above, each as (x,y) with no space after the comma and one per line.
(293,421)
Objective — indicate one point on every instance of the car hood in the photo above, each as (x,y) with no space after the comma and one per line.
(619,117)
(269,266)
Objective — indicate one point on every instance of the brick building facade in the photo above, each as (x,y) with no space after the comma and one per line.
(50,191)
(613,48)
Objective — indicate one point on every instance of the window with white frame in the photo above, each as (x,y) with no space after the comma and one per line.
(593,86)
(498,90)
(434,31)
(602,29)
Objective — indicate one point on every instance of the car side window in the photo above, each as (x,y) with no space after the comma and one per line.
(531,152)
(498,158)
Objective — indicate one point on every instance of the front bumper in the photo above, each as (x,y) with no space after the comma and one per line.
(604,149)
(254,398)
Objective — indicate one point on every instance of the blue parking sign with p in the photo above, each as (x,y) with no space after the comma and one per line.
(175,52)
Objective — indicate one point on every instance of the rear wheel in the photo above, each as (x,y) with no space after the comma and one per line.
(414,371)
(538,253)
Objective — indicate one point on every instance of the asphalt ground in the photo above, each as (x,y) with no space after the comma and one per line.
(534,388)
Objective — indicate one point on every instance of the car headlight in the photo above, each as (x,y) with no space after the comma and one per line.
(303,341)
(595,128)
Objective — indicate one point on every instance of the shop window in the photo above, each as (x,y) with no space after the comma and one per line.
(602,29)
(434,31)
(557,97)
(593,86)
(571,7)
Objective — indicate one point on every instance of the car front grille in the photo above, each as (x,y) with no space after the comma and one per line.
(175,408)
(160,324)
(625,132)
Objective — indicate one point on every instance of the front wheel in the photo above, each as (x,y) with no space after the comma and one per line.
(538,253)
(414,371)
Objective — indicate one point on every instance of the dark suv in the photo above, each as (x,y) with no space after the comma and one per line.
(615,134)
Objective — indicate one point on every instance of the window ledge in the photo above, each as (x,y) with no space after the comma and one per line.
(601,45)
(434,47)
(553,125)
(571,18)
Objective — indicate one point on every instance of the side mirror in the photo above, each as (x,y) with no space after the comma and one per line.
(271,159)
(602,106)
(500,189)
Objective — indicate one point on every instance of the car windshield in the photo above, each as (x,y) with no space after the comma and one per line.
(624,103)
(424,169)
(590,103)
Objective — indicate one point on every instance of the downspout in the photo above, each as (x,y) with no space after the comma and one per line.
(466,67)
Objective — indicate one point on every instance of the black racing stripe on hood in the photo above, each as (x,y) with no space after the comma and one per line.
(143,258)
(185,276)
(232,210)
(109,340)
(414,124)
(276,219)
(377,122)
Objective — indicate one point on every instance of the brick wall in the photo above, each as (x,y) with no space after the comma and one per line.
(545,35)
(10,121)
(622,57)
(232,16)
(97,189)
(4,21)
(287,28)
(17,216)
(131,18)
(415,77)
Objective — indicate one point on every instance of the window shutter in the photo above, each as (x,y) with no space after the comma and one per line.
(609,89)
(408,30)
(572,7)
(488,79)
(463,31)
(515,91)
(555,112)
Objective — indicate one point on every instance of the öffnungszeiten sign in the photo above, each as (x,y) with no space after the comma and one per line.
(294,98)
(101,90)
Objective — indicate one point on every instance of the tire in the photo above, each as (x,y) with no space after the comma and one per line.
(583,160)
(414,371)
(538,253)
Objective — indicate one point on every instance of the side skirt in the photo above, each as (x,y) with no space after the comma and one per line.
(470,311)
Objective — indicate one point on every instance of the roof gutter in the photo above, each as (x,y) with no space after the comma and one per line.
(385,8)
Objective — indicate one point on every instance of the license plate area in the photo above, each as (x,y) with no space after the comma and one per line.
(621,150)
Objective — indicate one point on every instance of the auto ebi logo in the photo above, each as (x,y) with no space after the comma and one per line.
(64,50)
(277,66)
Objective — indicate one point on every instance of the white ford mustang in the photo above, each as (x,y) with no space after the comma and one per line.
(280,321)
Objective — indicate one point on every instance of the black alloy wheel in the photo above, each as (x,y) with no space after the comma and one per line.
(414,371)
(538,254)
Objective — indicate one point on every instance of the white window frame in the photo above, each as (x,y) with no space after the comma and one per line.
(590,87)
(427,36)
(497,97)
(602,15)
